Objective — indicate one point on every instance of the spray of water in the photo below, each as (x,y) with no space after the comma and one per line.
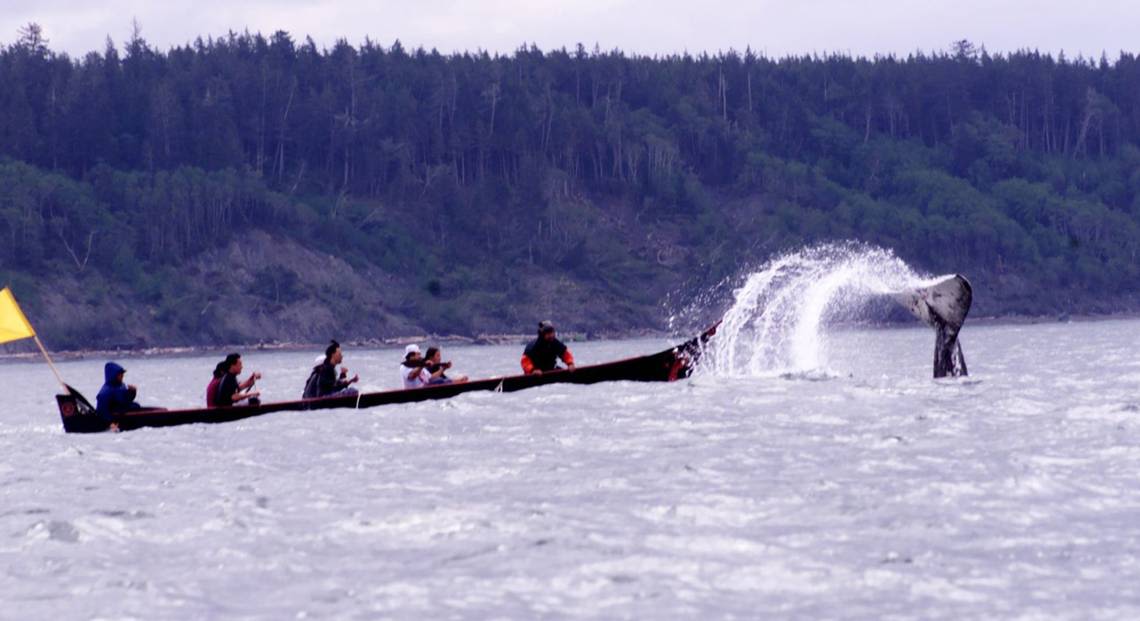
(777,323)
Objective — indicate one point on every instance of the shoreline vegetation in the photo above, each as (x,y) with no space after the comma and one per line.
(256,187)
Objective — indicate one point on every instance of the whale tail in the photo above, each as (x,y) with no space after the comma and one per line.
(942,306)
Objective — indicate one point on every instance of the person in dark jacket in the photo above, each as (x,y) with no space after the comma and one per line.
(330,382)
(115,397)
(543,353)
(231,390)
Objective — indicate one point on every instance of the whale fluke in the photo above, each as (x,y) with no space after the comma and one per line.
(943,306)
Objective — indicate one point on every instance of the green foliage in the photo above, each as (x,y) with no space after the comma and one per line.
(277,284)
(452,171)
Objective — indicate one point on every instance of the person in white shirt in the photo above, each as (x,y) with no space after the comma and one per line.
(412,371)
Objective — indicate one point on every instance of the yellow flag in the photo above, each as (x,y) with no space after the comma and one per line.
(13,324)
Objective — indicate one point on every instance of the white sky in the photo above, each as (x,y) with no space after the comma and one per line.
(776,28)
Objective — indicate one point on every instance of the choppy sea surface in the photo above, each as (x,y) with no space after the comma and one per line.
(861,490)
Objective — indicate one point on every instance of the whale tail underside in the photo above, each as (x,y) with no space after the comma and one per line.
(942,306)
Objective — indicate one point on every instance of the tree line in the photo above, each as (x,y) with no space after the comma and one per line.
(1023,166)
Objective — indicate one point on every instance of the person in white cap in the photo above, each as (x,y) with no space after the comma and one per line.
(412,371)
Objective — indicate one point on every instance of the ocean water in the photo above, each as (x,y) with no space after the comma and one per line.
(857,489)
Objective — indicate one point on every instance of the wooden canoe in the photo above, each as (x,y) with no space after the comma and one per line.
(665,366)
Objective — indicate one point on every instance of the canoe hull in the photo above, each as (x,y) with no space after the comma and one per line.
(669,365)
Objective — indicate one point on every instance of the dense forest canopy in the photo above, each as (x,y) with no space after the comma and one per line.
(469,176)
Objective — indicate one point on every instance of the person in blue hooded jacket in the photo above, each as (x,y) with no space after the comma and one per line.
(115,397)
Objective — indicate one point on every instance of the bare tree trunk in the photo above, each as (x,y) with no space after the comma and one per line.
(279,163)
(549,120)
(259,158)
(81,264)
(494,105)
(723,96)
(750,92)
(1025,121)
(1100,134)
(349,124)
(1068,126)
(1086,123)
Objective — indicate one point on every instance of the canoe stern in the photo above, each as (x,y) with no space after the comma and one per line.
(78,415)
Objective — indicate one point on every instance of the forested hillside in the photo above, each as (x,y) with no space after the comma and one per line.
(254,188)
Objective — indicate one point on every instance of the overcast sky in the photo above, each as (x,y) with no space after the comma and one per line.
(776,28)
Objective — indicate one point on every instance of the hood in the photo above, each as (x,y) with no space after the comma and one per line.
(110,371)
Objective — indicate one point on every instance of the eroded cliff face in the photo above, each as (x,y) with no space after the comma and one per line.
(270,289)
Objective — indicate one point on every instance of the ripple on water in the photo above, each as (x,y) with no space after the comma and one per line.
(53,530)
(868,495)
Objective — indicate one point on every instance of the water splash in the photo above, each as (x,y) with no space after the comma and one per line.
(776,325)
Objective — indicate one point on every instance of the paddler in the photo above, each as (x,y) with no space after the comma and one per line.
(542,354)
(115,397)
(325,382)
(231,390)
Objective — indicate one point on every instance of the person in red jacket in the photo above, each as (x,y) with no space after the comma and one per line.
(542,354)
(212,387)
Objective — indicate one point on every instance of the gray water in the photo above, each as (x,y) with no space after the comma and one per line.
(862,489)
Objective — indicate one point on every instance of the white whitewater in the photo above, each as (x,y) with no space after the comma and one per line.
(777,323)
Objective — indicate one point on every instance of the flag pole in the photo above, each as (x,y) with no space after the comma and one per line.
(50,363)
